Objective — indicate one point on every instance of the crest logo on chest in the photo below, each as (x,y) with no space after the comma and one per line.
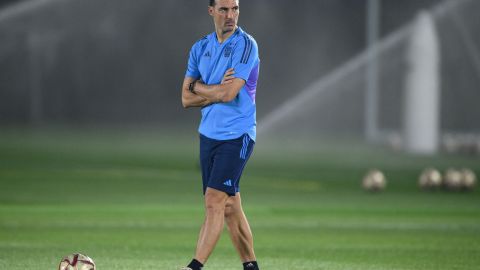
(228,51)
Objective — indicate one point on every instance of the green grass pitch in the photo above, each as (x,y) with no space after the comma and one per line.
(133,201)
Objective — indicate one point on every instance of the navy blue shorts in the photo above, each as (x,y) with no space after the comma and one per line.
(222,162)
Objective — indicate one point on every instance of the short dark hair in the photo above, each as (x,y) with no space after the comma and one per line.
(212,3)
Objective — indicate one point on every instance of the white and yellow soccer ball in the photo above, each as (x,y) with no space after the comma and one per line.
(374,180)
(469,179)
(430,179)
(452,180)
(77,261)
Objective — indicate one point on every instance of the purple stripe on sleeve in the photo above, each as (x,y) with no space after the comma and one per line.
(251,83)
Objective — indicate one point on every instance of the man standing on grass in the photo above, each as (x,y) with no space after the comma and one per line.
(221,78)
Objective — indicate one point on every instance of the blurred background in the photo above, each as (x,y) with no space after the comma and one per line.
(98,155)
(341,67)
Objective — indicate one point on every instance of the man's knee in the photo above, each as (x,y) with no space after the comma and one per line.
(233,208)
(215,201)
(229,211)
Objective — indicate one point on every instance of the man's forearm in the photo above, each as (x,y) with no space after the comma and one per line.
(193,100)
(209,92)
(189,99)
(218,92)
(196,103)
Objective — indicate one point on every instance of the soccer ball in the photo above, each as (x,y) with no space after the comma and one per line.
(469,180)
(429,179)
(76,261)
(374,180)
(453,179)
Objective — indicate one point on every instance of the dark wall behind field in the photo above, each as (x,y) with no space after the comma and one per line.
(4,3)
(123,61)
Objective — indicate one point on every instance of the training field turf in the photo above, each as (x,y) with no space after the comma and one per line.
(132,201)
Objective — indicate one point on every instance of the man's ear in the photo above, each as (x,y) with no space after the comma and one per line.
(210,10)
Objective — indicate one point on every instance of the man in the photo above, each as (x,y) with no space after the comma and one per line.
(221,78)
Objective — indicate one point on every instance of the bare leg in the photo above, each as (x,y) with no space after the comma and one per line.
(200,235)
(213,225)
(239,229)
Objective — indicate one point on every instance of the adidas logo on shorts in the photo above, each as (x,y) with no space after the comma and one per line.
(228,183)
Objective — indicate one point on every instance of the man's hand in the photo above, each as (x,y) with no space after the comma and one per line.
(228,76)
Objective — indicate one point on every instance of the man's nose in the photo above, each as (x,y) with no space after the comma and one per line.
(230,14)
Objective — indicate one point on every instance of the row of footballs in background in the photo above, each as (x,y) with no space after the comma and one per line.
(429,179)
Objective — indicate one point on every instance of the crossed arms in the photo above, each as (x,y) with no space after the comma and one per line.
(204,95)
